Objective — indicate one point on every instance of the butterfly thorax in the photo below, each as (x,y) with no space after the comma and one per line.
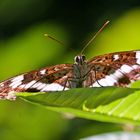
(80,71)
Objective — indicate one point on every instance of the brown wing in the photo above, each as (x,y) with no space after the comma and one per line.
(115,69)
(51,78)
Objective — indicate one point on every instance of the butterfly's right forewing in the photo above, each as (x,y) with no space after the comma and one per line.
(52,78)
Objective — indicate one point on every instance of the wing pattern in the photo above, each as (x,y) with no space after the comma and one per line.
(113,69)
(116,69)
(47,79)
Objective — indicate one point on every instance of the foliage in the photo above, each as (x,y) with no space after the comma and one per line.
(103,104)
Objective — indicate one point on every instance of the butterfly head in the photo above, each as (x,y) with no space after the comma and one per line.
(80,59)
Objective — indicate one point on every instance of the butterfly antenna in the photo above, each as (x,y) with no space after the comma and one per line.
(58,41)
(54,39)
(101,29)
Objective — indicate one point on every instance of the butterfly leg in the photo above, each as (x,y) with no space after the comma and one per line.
(92,73)
(72,82)
(66,83)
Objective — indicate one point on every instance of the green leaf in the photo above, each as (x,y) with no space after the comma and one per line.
(109,104)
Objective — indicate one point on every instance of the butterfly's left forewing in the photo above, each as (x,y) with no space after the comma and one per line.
(52,78)
(115,69)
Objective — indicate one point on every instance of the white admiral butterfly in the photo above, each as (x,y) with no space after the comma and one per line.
(114,69)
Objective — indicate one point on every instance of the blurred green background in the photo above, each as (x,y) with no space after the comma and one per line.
(23,47)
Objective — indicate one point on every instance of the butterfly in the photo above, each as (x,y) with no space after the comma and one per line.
(114,69)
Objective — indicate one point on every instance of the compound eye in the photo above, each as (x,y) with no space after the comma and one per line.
(83,57)
(77,59)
